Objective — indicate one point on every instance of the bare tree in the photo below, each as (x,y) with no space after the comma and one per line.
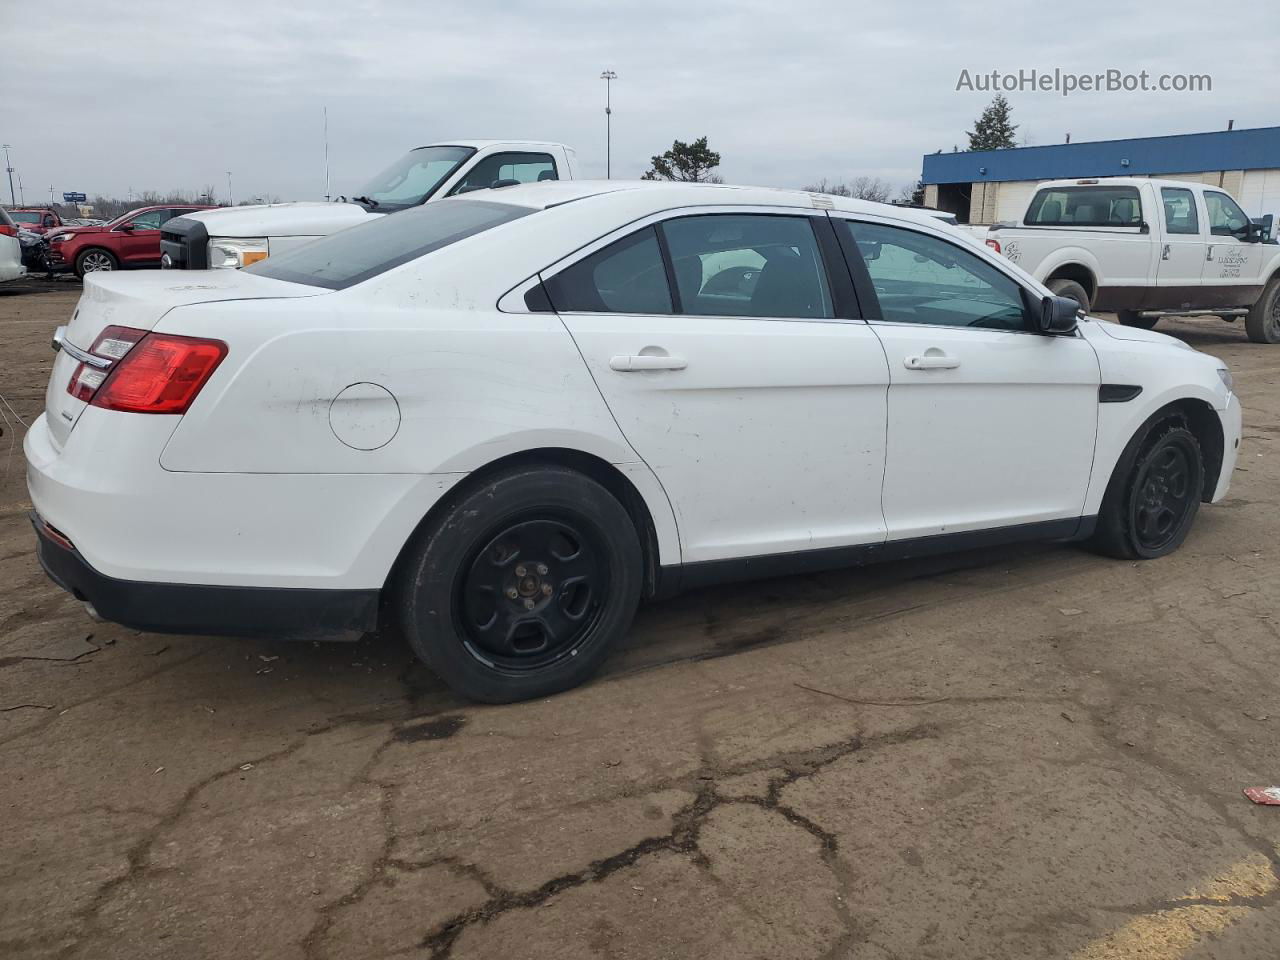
(860,188)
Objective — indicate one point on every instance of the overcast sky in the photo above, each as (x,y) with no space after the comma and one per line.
(104,97)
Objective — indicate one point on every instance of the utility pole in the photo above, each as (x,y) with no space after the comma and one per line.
(231,200)
(22,191)
(326,152)
(608,77)
(9,170)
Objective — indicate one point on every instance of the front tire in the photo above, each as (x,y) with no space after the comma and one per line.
(94,260)
(1153,496)
(1132,318)
(523,585)
(1072,291)
(1263,322)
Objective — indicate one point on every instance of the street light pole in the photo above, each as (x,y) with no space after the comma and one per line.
(231,200)
(608,77)
(9,170)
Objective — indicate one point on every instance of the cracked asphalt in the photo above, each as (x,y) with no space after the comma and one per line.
(1017,753)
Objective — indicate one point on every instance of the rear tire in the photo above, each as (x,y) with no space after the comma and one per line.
(1154,494)
(1263,322)
(1071,290)
(95,259)
(1132,318)
(522,586)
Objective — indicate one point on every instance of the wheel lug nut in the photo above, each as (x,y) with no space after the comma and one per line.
(528,604)
(542,569)
(546,589)
(511,593)
(521,571)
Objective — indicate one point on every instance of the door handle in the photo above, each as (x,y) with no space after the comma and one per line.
(1164,253)
(931,362)
(643,361)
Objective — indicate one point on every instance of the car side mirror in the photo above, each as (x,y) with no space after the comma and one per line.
(127,226)
(1059,315)
(1255,232)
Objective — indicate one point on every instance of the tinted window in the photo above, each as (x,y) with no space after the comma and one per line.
(1180,210)
(625,277)
(747,265)
(351,256)
(1226,219)
(521,167)
(921,279)
(1086,207)
(24,216)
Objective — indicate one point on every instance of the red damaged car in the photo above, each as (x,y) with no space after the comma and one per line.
(130,240)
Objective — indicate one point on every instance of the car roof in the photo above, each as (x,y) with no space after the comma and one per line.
(1120,182)
(481,144)
(664,194)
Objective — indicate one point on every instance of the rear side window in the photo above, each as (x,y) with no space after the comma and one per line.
(625,277)
(521,167)
(1088,206)
(354,255)
(747,265)
(1179,210)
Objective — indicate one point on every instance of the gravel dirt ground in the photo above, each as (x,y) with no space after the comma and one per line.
(1021,753)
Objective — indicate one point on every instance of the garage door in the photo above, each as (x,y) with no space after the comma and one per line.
(1260,193)
(1013,198)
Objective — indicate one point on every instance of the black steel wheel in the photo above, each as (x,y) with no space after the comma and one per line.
(1154,494)
(522,585)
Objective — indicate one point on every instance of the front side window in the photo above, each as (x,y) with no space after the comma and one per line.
(413,178)
(150,220)
(627,276)
(920,278)
(352,256)
(1226,219)
(747,265)
(1180,210)
(520,167)
(1085,206)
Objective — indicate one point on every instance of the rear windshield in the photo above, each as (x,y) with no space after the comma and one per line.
(1086,206)
(26,216)
(354,255)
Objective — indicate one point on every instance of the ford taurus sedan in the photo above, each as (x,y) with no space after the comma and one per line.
(500,420)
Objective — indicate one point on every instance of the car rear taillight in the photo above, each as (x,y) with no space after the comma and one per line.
(994,245)
(112,345)
(152,372)
(8,231)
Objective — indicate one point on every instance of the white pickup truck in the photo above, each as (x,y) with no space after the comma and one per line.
(1148,248)
(238,236)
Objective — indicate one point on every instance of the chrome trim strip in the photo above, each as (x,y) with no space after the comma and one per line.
(60,342)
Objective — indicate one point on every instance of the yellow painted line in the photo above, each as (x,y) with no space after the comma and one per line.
(1168,934)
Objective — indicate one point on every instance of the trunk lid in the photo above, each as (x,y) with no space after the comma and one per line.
(139,300)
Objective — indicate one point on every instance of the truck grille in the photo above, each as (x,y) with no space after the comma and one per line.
(184,245)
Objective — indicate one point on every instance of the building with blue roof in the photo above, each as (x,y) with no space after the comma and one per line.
(986,186)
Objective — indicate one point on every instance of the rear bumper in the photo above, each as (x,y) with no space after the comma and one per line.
(293,613)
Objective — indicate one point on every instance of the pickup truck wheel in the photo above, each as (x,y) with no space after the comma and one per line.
(523,585)
(1071,290)
(1153,495)
(95,259)
(1132,318)
(1263,323)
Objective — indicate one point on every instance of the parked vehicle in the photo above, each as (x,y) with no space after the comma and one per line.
(1147,248)
(36,219)
(11,266)
(129,241)
(503,418)
(34,251)
(233,238)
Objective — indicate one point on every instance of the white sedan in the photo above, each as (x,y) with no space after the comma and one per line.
(501,420)
(11,267)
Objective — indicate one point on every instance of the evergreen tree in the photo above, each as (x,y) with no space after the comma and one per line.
(993,131)
(686,162)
